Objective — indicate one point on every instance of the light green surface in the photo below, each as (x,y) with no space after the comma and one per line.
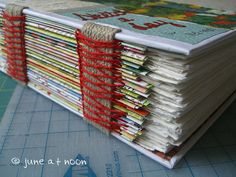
(7,87)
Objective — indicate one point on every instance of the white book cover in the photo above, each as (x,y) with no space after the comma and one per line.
(175,36)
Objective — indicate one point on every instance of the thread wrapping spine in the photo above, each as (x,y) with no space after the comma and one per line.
(100,78)
(14,31)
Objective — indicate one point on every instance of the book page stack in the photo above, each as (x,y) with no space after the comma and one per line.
(2,48)
(177,69)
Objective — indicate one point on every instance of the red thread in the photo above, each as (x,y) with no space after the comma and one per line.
(104,90)
(14,30)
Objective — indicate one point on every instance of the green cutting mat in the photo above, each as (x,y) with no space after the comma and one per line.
(7,86)
(214,155)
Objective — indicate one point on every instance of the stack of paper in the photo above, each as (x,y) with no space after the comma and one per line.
(136,90)
(176,73)
(183,89)
(53,69)
(53,61)
(2,48)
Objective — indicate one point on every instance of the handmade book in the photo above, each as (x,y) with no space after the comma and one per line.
(154,74)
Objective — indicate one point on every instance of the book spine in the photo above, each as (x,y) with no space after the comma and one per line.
(14,31)
(99,62)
